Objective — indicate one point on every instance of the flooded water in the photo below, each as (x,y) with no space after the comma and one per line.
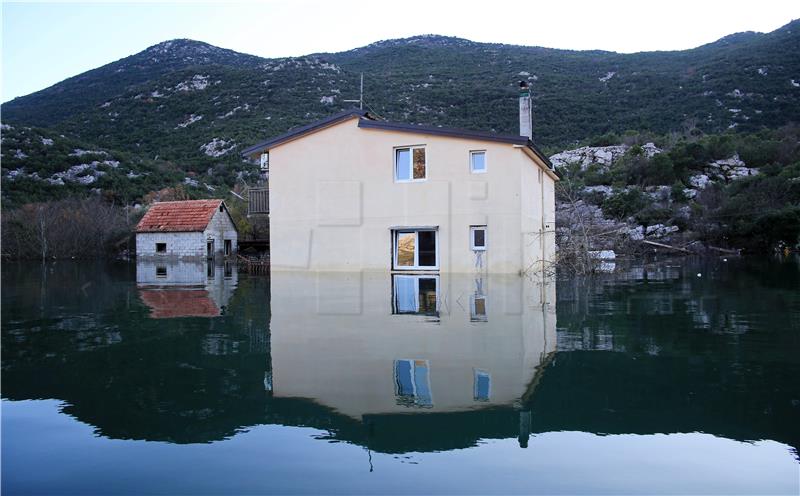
(677,377)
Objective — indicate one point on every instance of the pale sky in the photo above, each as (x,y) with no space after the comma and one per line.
(44,43)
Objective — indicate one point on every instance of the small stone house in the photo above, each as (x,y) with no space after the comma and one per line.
(194,229)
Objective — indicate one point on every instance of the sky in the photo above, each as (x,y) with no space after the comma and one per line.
(44,43)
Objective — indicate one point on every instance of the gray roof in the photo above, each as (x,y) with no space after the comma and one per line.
(367,121)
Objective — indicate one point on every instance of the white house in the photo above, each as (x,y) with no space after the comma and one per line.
(352,193)
(195,229)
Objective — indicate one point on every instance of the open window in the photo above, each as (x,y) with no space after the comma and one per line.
(477,161)
(415,249)
(161,248)
(477,238)
(417,295)
(410,164)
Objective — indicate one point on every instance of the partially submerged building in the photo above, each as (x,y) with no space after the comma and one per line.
(354,193)
(191,229)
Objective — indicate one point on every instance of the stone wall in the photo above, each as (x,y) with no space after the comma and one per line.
(179,244)
(219,229)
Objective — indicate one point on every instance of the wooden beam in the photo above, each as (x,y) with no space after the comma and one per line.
(662,245)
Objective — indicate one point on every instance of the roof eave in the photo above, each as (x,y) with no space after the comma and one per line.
(303,130)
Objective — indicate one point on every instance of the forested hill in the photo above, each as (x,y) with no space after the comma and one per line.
(183,109)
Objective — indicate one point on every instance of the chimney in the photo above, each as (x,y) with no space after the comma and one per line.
(525,115)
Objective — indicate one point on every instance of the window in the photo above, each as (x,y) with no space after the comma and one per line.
(161,247)
(477,162)
(482,385)
(477,238)
(417,295)
(409,164)
(265,162)
(161,272)
(415,249)
(477,308)
(412,383)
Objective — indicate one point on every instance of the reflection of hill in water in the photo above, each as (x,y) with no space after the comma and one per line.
(631,363)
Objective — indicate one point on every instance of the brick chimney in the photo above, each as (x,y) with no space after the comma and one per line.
(525,115)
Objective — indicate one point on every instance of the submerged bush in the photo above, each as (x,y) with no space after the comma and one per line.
(76,228)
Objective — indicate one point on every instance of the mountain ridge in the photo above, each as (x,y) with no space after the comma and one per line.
(187,106)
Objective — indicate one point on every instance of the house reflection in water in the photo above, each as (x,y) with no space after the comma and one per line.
(366,345)
(185,288)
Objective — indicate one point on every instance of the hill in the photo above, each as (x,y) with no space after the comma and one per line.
(179,111)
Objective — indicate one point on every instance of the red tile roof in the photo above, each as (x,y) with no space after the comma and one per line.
(169,303)
(178,216)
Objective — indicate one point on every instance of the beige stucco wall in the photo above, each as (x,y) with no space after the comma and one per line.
(335,340)
(333,201)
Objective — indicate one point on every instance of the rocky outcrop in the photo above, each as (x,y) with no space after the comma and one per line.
(603,156)
(726,170)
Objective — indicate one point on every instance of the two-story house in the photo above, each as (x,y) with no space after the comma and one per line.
(351,193)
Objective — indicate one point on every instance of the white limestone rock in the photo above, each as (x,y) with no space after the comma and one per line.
(588,155)
(660,230)
(197,83)
(217,147)
(601,189)
(636,233)
(188,122)
(607,77)
(699,181)
(603,255)
(732,168)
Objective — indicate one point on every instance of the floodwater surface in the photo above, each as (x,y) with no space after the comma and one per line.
(182,378)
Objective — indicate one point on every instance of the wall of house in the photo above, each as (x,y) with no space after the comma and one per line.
(219,229)
(179,245)
(334,338)
(537,221)
(334,200)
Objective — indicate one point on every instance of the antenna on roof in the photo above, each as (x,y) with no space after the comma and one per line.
(361,95)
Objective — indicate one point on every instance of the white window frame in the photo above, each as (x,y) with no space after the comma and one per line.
(410,149)
(416,266)
(416,278)
(472,230)
(471,163)
(474,316)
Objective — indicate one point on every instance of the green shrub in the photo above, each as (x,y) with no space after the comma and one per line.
(625,203)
